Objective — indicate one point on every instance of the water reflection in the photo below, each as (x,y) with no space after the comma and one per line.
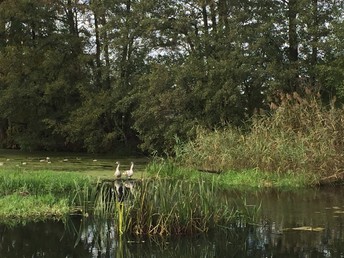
(282,211)
(273,236)
(39,239)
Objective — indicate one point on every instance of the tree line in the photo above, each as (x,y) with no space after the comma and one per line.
(100,75)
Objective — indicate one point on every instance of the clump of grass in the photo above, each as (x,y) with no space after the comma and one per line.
(172,207)
(300,136)
(33,195)
(17,207)
(39,182)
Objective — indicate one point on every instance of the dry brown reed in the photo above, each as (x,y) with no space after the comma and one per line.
(300,134)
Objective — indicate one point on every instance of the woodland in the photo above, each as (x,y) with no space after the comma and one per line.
(107,75)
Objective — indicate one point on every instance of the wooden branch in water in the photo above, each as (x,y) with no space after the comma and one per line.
(336,178)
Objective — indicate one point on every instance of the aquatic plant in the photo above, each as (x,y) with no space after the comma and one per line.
(169,207)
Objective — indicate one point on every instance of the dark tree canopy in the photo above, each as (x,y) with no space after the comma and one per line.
(107,74)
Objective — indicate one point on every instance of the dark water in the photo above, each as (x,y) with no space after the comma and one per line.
(281,231)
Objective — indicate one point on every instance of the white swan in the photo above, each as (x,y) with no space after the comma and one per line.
(129,173)
(117,173)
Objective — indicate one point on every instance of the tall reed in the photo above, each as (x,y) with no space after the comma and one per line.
(167,207)
(300,135)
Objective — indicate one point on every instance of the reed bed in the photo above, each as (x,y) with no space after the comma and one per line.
(170,207)
(299,135)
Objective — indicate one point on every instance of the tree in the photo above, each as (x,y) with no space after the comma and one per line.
(38,72)
(100,74)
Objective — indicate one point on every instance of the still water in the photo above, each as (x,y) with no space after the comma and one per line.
(304,223)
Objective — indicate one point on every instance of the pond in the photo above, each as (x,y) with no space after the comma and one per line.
(303,223)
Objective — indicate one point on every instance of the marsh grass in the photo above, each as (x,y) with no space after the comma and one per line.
(39,182)
(17,207)
(151,206)
(171,207)
(300,136)
(41,194)
(246,179)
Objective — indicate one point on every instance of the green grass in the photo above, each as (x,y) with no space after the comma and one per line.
(172,207)
(156,206)
(39,182)
(255,179)
(30,195)
(33,186)
(169,200)
(245,179)
(98,166)
(18,207)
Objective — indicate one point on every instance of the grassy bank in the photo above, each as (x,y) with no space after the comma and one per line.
(99,165)
(36,195)
(300,138)
(152,206)
(244,179)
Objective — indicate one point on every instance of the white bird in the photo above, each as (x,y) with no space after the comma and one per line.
(129,185)
(117,173)
(119,190)
(118,187)
(129,173)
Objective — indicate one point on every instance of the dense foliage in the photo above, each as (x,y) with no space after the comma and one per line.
(103,74)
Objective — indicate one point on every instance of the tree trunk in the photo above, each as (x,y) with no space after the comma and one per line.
(293,46)
(315,38)
(126,51)
(98,73)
